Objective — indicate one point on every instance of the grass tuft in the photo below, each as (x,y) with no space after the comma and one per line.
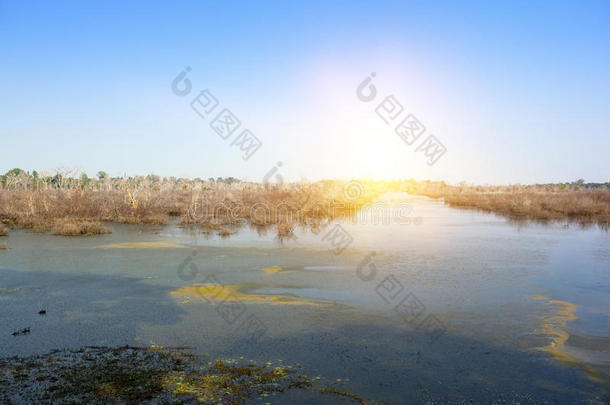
(76,227)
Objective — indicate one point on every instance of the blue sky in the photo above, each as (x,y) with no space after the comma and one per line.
(516,91)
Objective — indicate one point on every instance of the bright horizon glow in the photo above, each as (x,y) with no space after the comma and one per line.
(517,92)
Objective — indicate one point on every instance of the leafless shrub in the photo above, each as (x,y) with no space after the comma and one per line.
(73,227)
(583,206)
(225,232)
(38,202)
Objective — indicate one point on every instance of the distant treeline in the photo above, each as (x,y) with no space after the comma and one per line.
(65,178)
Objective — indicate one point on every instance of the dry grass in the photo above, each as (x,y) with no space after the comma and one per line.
(543,203)
(80,210)
(588,206)
(70,206)
(72,227)
(3,230)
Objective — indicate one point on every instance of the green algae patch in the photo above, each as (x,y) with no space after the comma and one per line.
(156,375)
(241,292)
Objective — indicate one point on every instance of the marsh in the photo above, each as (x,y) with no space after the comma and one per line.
(456,306)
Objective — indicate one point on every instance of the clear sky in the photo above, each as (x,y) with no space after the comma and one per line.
(516,91)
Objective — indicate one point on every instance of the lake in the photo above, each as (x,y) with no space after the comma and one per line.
(443,306)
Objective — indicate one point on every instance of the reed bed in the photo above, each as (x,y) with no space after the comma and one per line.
(585,204)
(77,207)
(582,206)
(80,206)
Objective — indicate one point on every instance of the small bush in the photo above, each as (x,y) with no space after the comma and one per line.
(73,227)
(225,232)
(3,230)
(285,230)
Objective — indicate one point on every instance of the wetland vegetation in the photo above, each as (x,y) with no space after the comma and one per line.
(155,375)
(70,204)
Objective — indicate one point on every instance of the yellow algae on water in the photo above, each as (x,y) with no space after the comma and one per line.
(554,327)
(276,269)
(271,270)
(143,245)
(240,292)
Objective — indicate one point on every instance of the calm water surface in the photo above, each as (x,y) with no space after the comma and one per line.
(454,306)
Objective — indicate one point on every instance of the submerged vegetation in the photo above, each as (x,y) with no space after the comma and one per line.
(68,204)
(146,375)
